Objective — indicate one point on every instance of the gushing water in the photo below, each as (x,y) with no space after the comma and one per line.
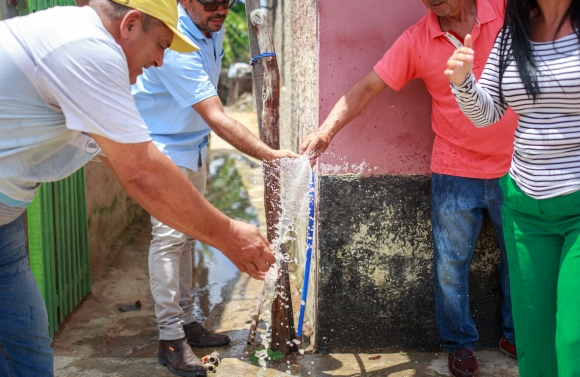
(294,177)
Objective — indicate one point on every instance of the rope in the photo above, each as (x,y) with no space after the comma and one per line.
(254,60)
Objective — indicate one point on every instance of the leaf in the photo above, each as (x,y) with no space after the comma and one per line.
(253,357)
(275,355)
(272,356)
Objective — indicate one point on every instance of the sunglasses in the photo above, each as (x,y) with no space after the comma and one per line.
(215,5)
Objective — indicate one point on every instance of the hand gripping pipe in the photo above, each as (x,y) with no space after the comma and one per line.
(308,256)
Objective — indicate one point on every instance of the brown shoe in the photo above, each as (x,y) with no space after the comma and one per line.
(197,336)
(462,363)
(507,348)
(179,358)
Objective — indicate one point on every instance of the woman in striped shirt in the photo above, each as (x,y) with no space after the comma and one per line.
(535,69)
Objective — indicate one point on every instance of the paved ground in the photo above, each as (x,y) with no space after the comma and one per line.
(99,340)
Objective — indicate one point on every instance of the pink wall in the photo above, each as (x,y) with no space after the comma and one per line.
(393,134)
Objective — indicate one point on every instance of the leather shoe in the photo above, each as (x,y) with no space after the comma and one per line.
(462,363)
(197,336)
(507,348)
(179,358)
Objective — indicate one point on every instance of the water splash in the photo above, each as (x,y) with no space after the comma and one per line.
(294,178)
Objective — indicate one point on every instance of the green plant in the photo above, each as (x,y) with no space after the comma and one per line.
(272,356)
(236,40)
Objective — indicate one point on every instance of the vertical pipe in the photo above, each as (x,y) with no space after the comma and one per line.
(84,235)
(258,70)
(74,235)
(60,250)
(49,255)
(308,256)
(67,236)
(282,313)
(55,218)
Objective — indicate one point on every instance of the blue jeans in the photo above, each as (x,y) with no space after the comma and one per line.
(24,342)
(457,213)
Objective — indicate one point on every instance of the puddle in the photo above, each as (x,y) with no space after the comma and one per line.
(213,279)
(225,189)
(214,275)
(147,352)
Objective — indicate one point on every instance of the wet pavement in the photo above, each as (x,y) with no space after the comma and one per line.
(97,339)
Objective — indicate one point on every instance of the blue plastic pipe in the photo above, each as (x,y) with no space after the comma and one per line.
(308,256)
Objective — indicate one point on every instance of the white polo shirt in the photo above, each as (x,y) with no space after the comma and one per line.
(62,77)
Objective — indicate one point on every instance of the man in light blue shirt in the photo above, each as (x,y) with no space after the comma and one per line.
(180,106)
(165,96)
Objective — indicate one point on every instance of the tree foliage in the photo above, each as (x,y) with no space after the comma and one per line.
(236,40)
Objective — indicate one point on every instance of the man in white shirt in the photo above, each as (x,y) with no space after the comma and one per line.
(65,77)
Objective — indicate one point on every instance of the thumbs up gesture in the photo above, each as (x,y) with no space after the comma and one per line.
(460,64)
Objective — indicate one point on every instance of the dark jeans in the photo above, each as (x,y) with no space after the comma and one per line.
(24,342)
(457,213)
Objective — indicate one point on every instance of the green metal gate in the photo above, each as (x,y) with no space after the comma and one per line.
(57,230)
(24,7)
(58,245)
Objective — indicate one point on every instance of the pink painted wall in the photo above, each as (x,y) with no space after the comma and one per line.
(393,134)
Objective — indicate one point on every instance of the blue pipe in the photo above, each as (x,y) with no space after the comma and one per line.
(308,256)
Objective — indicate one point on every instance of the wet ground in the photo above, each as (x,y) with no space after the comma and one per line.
(99,340)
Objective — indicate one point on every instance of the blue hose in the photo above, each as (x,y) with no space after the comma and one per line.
(308,256)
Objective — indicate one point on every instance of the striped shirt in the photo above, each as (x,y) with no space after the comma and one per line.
(546,159)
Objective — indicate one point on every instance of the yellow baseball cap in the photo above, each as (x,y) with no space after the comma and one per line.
(166,12)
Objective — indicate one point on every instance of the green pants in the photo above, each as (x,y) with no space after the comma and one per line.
(543,247)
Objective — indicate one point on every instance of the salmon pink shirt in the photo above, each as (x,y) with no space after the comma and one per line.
(460,149)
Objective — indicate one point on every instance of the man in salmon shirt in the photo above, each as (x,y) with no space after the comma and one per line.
(466,162)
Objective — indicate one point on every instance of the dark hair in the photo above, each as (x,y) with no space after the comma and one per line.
(516,45)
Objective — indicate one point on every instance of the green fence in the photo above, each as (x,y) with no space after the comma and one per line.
(57,233)
(35,5)
(24,7)
(58,245)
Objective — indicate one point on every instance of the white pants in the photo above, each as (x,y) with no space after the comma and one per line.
(171,269)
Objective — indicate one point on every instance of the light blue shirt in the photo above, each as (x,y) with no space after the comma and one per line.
(165,96)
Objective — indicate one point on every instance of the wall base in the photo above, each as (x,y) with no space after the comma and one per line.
(375,283)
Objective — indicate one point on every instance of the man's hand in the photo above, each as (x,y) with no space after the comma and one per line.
(233,132)
(314,145)
(248,249)
(259,275)
(460,64)
(345,110)
(282,153)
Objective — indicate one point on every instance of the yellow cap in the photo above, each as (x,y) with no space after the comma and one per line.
(166,12)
